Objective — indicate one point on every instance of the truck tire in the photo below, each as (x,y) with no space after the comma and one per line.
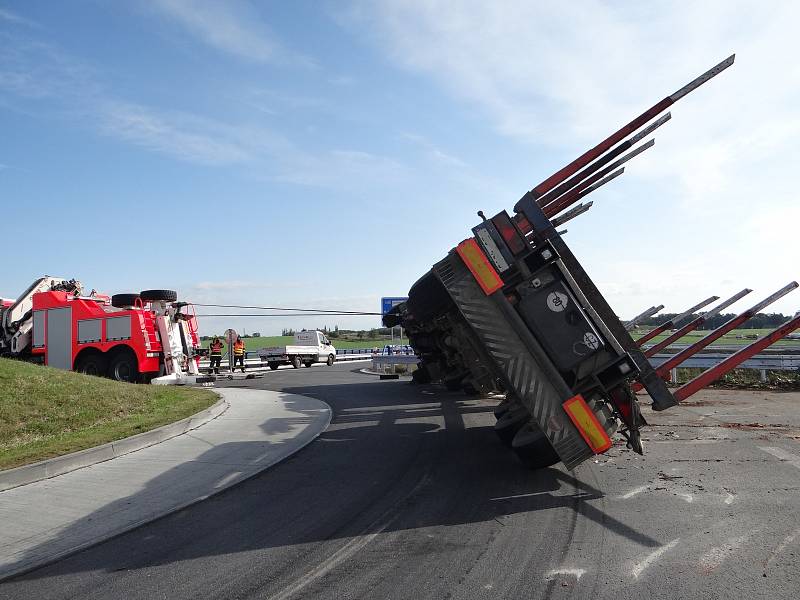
(296,362)
(274,366)
(421,375)
(308,363)
(124,300)
(330,360)
(123,367)
(157,295)
(533,449)
(91,364)
(510,423)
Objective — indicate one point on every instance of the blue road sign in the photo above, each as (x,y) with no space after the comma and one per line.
(388,304)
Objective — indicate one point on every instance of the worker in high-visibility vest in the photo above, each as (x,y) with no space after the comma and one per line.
(238,354)
(215,353)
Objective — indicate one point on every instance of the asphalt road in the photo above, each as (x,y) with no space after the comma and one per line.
(410,495)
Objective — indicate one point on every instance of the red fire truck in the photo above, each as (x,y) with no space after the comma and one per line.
(143,337)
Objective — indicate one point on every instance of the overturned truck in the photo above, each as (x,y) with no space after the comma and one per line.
(512,311)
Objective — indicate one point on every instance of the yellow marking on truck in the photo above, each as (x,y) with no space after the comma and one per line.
(587,424)
(479,266)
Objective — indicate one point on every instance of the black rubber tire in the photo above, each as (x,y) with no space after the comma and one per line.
(274,366)
(454,384)
(296,362)
(428,298)
(124,300)
(536,453)
(421,375)
(469,389)
(156,295)
(123,367)
(330,360)
(509,424)
(91,364)
(308,363)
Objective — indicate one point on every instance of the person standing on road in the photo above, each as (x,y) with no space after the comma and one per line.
(215,352)
(238,354)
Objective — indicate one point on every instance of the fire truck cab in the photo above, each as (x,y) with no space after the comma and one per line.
(142,337)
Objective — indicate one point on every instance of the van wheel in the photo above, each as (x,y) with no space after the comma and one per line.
(273,366)
(123,367)
(91,364)
(296,362)
(330,360)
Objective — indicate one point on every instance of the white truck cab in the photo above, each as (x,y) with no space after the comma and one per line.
(309,347)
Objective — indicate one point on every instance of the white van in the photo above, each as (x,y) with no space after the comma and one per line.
(309,347)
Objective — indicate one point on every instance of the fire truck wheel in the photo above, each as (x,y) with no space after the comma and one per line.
(91,364)
(532,448)
(296,362)
(124,300)
(123,367)
(329,362)
(156,295)
(273,366)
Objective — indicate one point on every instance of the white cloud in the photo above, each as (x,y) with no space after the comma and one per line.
(12,17)
(559,77)
(183,136)
(232,27)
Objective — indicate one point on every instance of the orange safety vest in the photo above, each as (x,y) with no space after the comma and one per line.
(238,348)
(216,347)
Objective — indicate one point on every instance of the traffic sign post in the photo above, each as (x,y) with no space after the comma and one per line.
(387,304)
(230,337)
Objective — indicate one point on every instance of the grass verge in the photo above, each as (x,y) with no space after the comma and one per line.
(47,412)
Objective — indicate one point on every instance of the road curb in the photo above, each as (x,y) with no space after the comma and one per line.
(52,467)
(113,532)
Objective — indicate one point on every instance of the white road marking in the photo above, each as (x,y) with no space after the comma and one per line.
(716,556)
(635,491)
(782,454)
(350,548)
(648,560)
(688,497)
(729,498)
(516,496)
(781,547)
(576,573)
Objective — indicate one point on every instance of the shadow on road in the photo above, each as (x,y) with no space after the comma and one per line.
(396,457)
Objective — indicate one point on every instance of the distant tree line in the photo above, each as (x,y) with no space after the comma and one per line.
(759,321)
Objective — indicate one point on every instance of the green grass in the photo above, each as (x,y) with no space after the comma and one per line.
(253,344)
(737,337)
(47,412)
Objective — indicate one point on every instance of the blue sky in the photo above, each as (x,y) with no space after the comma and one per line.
(324,154)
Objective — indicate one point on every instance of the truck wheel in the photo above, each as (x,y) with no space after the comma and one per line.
(124,300)
(330,360)
(273,366)
(157,295)
(421,375)
(123,367)
(510,423)
(533,449)
(308,363)
(91,364)
(296,362)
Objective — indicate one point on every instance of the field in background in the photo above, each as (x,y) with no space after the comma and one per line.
(253,344)
(48,412)
(737,337)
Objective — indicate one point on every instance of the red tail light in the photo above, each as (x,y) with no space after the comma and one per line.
(516,243)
